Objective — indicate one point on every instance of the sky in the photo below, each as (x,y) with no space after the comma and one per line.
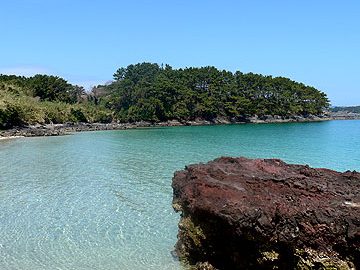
(316,42)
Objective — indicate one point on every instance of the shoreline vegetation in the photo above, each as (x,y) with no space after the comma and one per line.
(152,95)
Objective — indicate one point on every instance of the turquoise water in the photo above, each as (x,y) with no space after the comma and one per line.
(102,200)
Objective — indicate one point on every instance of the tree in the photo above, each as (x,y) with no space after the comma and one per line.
(53,88)
(145,91)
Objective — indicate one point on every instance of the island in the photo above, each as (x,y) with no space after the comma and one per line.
(149,94)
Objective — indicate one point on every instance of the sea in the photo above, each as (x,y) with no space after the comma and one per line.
(102,200)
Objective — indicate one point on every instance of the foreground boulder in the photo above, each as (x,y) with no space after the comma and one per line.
(239,213)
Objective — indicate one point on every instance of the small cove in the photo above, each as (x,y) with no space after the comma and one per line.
(102,200)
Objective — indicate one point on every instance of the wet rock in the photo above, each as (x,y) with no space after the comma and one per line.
(239,213)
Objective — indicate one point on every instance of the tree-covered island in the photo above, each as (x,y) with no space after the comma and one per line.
(155,93)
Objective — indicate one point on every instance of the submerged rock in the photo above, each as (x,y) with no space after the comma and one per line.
(239,213)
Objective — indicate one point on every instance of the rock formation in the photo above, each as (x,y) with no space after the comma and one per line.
(239,213)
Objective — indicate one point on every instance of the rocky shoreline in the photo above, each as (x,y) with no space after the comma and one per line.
(344,115)
(69,128)
(239,213)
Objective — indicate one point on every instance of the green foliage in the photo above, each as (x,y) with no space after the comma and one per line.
(353,109)
(147,92)
(45,87)
(52,88)
(78,115)
(18,106)
(9,116)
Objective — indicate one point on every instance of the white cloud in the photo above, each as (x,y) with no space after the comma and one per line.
(26,71)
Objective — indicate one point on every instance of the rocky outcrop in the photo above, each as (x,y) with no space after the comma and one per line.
(344,115)
(68,128)
(239,213)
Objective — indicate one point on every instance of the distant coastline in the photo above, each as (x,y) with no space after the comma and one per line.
(40,130)
(155,93)
(152,95)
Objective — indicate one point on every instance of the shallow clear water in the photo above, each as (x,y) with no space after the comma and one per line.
(102,200)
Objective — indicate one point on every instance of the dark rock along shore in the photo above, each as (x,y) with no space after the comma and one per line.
(68,128)
(239,213)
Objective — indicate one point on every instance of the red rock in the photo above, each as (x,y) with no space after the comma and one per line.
(239,213)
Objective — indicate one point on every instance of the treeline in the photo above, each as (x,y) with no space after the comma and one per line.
(46,99)
(45,87)
(352,109)
(151,92)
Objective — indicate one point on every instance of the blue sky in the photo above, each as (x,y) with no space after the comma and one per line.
(315,42)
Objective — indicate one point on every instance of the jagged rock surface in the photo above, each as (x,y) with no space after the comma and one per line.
(239,213)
